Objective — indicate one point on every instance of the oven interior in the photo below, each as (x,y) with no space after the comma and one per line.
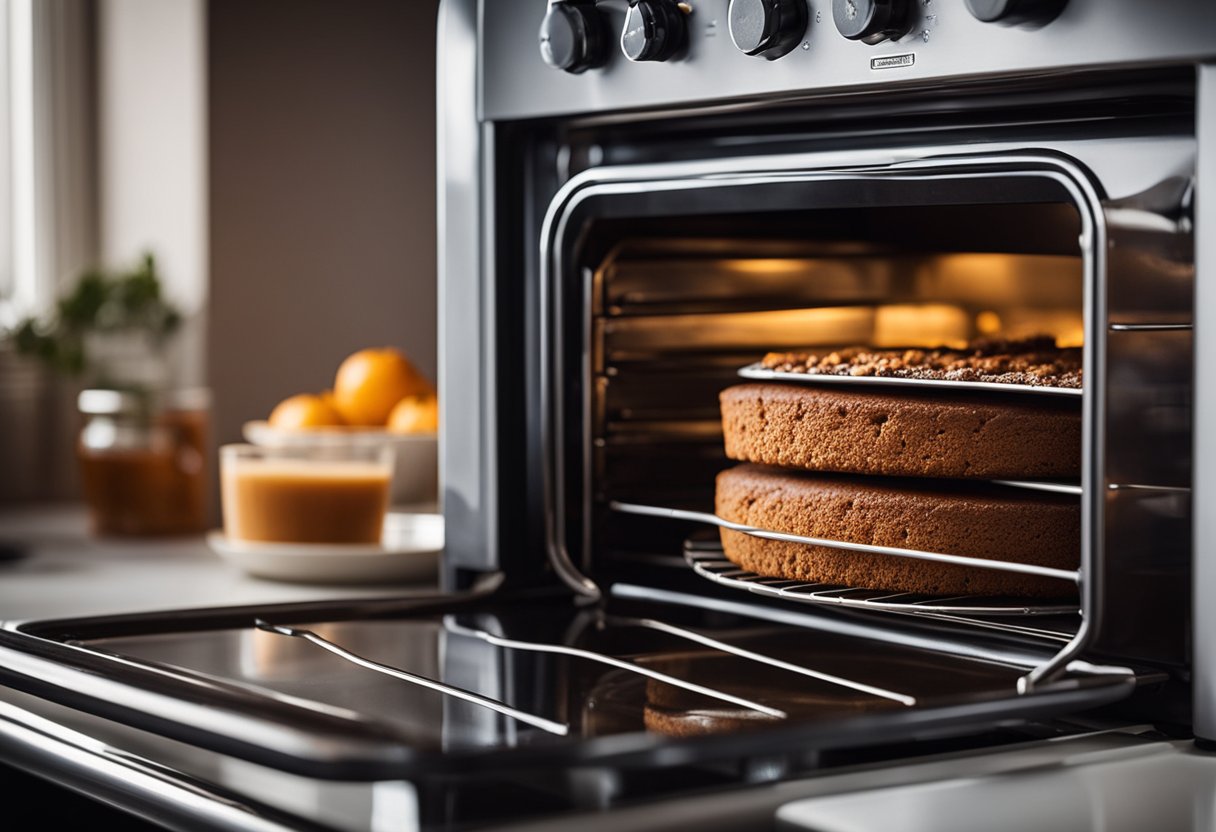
(661,291)
(679,306)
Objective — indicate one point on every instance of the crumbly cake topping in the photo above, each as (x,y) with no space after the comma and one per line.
(1035,361)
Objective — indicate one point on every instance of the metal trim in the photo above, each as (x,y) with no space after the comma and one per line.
(467,454)
(1203,584)
(140,786)
(939,163)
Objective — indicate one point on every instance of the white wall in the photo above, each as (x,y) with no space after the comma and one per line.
(152,140)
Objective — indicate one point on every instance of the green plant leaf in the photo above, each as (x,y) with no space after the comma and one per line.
(99,302)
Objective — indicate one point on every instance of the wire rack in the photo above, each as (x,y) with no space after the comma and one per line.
(708,561)
(453,625)
(1071,575)
(758,372)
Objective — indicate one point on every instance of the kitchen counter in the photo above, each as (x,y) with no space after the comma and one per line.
(51,567)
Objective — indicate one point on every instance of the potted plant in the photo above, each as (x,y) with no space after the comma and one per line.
(111,331)
(142,449)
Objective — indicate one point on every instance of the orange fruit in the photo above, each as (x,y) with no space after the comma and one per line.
(370,382)
(327,396)
(415,414)
(304,411)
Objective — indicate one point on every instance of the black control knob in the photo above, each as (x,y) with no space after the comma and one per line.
(872,21)
(572,36)
(769,28)
(1015,12)
(654,30)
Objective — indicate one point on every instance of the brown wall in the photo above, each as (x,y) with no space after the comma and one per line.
(322,193)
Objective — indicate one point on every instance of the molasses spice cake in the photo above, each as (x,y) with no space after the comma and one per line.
(908,433)
(977,520)
(912,431)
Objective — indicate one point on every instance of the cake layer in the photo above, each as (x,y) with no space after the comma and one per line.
(973,520)
(910,434)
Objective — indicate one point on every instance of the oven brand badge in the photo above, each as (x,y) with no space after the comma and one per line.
(893,61)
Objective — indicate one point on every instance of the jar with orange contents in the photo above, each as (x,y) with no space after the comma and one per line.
(143,461)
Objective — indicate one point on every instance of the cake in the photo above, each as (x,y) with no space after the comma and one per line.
(907,433)
(978,520)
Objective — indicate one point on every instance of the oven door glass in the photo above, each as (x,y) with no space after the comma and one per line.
(431,689)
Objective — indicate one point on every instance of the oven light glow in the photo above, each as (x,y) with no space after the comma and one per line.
(987,323)
(768,265)
(921,325)
(993,281)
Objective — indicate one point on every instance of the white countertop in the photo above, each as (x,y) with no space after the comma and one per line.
(64,571)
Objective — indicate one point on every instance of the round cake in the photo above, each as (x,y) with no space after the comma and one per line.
(907,434)
(976,520)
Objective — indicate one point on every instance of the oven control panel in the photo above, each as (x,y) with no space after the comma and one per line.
(872,21)
(654,30)
(1016,12)
(767,28)
(566,57)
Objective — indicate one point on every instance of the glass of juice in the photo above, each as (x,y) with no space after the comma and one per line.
(310,494)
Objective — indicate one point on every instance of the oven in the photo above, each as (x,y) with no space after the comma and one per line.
(620,238)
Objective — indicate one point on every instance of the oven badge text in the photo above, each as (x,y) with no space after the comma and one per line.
(893,61)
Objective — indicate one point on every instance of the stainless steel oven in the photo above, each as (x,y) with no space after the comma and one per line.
(649,226)
(629,215)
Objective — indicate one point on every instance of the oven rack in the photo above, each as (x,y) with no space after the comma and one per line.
(708,561)
(1071,575)
(758,372)
(558,728)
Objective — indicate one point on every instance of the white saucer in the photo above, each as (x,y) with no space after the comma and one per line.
(409,551)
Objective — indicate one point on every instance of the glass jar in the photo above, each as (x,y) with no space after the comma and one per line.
(143,461)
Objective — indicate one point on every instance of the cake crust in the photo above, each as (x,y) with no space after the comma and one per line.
(905,433)
(973,520)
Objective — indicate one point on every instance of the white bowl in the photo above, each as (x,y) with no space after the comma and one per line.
(409,551)
(416,466)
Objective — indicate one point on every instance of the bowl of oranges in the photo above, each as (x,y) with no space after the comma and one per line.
(378,399)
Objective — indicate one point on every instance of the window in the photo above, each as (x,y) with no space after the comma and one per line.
(47,213)
(6,185)
(19,292)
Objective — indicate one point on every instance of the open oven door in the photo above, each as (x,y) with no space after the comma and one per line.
(434,689)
